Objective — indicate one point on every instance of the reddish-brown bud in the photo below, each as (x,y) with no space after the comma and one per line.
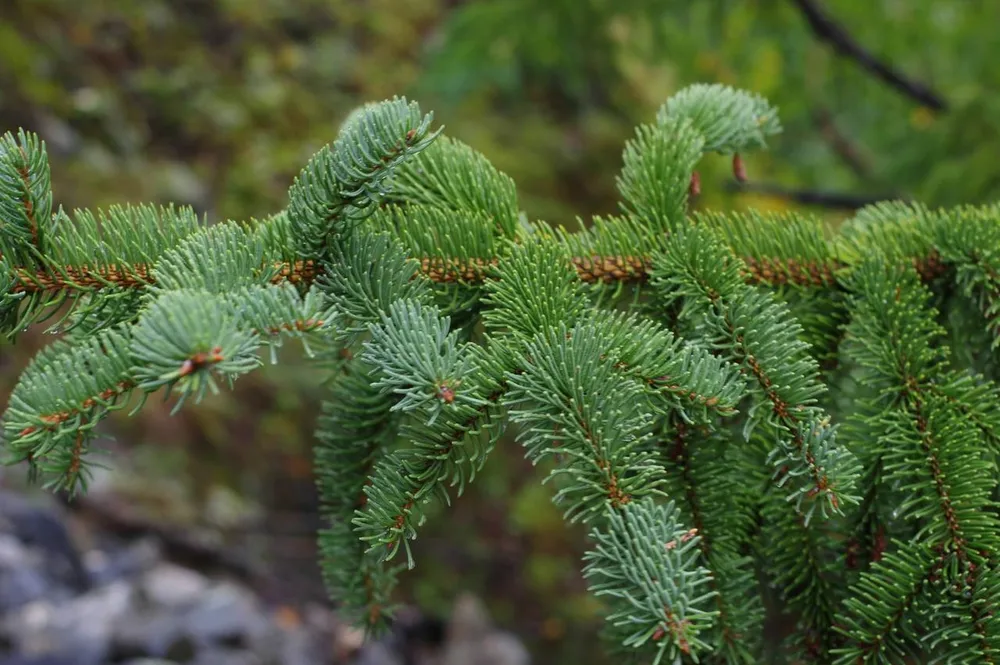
(739,168)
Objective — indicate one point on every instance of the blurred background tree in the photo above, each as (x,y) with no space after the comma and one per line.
(218,103)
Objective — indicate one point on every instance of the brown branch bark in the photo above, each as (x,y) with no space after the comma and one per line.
(590,269)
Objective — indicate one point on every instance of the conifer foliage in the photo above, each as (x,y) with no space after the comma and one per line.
(752,414)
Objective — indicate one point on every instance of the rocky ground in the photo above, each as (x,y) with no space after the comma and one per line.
(72,600)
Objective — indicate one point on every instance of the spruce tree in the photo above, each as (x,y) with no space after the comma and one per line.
(753,414)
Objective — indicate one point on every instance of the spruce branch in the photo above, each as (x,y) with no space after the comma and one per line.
(448,396)
(647,564)
(92,262)
(728,120)
(395,247)
(972,396)
(181,340)
(451,176)
(352,432)
(584,396)
(778,248)
(798,558)
(184,339)
(755,331)
(278,312)
(881,624)
(934,445)
(657,171)
(572,403)
(439,234)
(968,239)
(589,268)
(217,259)
(343,183)
(405,479)
(931,450)
(948,491)
(967,620)
(611,249)
(900,232)
(125,258)
(985,611)
(823,315)
(707,471)
(607,268)
(694,382)
(365,275)
(187,337)
(108,248)
(534,291)
(61,397)
(25,198)
(419,360)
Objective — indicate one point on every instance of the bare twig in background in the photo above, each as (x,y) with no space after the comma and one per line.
(851,153)
(838,37)
(832,200)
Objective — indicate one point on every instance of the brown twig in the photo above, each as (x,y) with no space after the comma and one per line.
(590,269)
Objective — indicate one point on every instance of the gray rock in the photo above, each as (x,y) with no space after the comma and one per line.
(26,576)
(494,649)
(20,586)
(313,636)
(142,610)
(377,653)
(151,634)
(318,639)
(81,626)
(415,639)
(298,646)
(168,585)
(137,558)
(227,615)
(69,658)
(472,639)
(12,553)
(182,650)
(225,657)
(21,580)
(40,528)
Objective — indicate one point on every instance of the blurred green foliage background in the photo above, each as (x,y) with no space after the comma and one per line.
(218,103)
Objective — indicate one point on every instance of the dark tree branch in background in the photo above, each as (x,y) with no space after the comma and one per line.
(828,30)
(851,153)
(832,200)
